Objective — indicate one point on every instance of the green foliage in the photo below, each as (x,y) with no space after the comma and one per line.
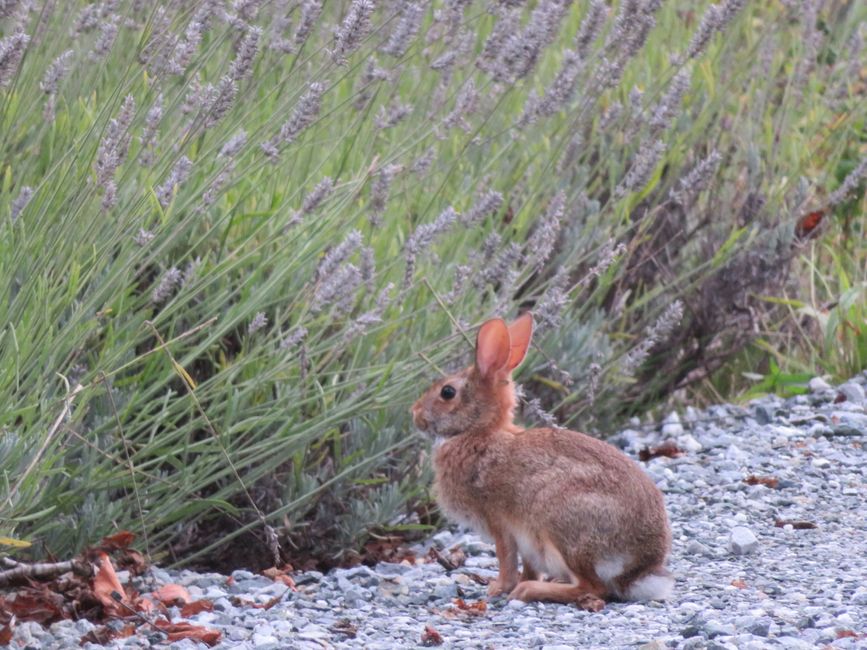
(194,348)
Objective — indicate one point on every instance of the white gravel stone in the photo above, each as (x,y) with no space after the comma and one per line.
(853,392)
(671,426)
(742,541)
(818,385)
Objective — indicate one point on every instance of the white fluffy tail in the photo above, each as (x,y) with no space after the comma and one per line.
(654,586)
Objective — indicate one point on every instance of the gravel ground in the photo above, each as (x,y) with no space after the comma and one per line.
(745,578)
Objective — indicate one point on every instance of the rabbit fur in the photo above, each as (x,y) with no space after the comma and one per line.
(576,509)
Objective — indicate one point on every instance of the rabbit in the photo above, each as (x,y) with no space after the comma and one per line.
(575,508)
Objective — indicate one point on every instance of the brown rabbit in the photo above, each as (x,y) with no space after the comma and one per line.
(575,508)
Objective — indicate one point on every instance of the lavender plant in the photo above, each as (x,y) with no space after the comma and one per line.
(236,236)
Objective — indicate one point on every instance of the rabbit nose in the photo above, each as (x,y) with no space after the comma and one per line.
(417,418)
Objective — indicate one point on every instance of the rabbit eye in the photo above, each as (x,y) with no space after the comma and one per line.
(448,392)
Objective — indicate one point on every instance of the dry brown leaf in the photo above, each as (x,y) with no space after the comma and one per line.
(475,577)
(281,575)
(768,481)
(797,525)
(457,556)
(474,609)
(441,559)
(133,561)
(431,637)
(119,540)
(172,594)
(183,630)
(668,449)
(106,584)
(147,606)
(6,632)
(197,607)
(34,604)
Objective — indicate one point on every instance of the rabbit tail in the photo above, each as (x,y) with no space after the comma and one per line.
(656,585)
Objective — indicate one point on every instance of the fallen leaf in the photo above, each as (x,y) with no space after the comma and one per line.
(668,449)
(739,583)
(6,632)
(280,575)
(431,637)
(474,609)
(106,585)
(454,560)
(101,635)
(172,594)
(475,577)
(767,481)
(386,549)
(184,630)
(119,540)
(197,607)
(457,556)
(33,604)
(132,561)
(797,525)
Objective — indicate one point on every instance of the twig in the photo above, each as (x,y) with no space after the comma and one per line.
(42,570)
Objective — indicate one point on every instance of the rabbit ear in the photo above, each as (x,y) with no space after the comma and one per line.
(520,333)
(493,347)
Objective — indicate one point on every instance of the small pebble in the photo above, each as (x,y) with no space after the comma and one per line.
(742,541)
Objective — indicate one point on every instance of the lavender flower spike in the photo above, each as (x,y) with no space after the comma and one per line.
(11,51)
(170,281)
(410,21)
(21,201)
(642,167)
(656,333)
(249,47)
(259,321)
(55,72)
(113,149)
(541,243)
(148,137)
(849,183)
(304,114)
(294,337)
(697,179)
(179,174)
(353,30)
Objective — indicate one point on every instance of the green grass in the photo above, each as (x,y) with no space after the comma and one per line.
(172,419)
